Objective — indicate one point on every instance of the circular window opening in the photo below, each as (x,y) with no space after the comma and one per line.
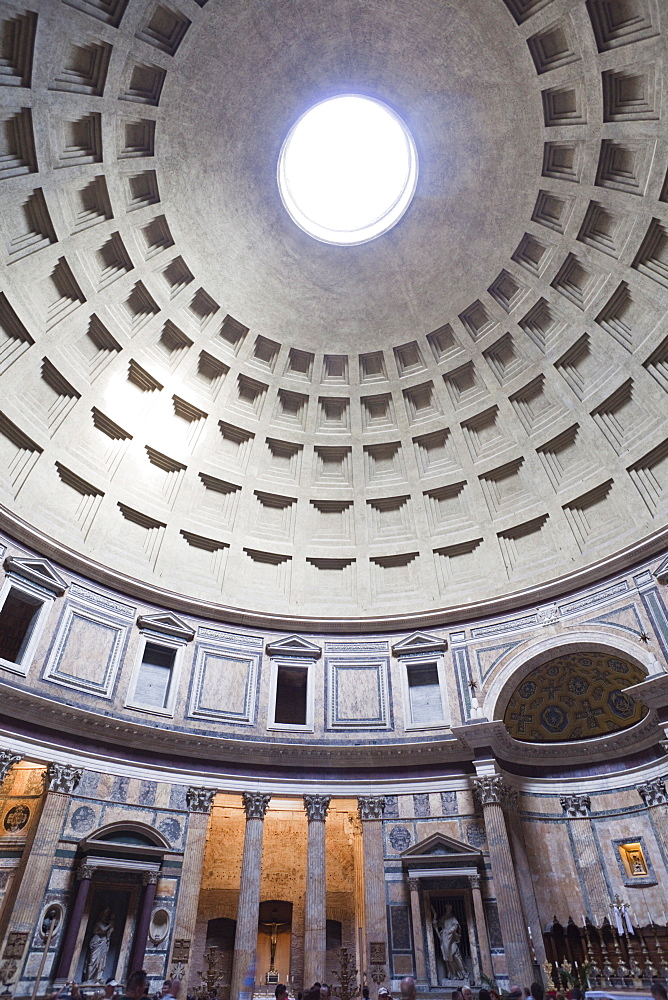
(347,170)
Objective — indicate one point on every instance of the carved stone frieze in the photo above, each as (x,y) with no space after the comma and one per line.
(575,806)
(7,760)
(653,792)
(63,778)
(200,800)
(371,806)
(316,806)
(255,804)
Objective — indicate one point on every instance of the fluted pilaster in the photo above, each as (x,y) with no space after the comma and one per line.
(371,813)
(199,801)
(597,901)
(491,791)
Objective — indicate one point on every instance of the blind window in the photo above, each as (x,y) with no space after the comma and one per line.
(155,676)
(17,620)
(291,685)
(424,693)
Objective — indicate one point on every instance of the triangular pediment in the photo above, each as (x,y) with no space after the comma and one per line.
(294,645)
(38,571)
(439,850)
(661,572)
(167,624)
(419,642)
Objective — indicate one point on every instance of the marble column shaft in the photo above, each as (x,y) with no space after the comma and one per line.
(61,782)
(490,789)
(199,802)
(140,938)
(248,909)
(315,914)
(597,902)
(481,924)
(418,933)
(371,813)
(84,878)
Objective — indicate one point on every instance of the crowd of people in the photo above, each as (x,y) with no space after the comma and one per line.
(137,989)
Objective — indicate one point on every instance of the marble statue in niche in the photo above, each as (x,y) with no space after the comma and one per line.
(449,935)
(98,948)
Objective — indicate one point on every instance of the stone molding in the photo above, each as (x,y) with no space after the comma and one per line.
(7,761)
(576,806)
(653,792)
(255,804)
(63,778)
(371,806)
(316,806)
(200,800)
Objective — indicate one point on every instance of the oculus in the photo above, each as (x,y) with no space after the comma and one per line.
(347,170)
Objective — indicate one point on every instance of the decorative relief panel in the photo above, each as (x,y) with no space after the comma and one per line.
(224,685)
(87,650)
(358,696)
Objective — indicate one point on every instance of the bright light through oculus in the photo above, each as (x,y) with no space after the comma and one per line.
(347,170)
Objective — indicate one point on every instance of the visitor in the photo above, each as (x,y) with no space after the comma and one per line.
(365,993)
(68,989)
(384,992)
(325,992)
(456,995)
(576,993)
(108,992)
(136,985)
(163,991)
(538,993)
(484,994)
(467,993)
(174,990)
(658,991)
(281,992)
(408,988)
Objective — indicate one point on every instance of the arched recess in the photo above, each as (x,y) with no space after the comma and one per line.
(512,668)
(116,874)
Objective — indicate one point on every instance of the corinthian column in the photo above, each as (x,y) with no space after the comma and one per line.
(248,910)
(523,870)
(418,935)
(199,801)
(490,790)
(481,924)
(371,813)
(315,915)
(597,902)
(61,781)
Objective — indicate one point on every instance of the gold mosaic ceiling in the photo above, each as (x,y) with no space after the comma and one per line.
(573,698)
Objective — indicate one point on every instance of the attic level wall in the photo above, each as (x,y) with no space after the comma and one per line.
(86,656)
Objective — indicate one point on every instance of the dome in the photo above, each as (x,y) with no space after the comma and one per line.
(200,400)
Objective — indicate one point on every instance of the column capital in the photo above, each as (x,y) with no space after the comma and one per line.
(575,806)
(7,760)
(316,806)
(413,884)
(150,878)
(255,804)
(490,789)
(85,870)
(62,778)
(474,881)
(371,806)
(653,792)
(200,800)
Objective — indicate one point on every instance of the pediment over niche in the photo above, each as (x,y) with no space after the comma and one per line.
(38,571)
(661,572)
(440,851)
(294,645)
(167,624)
(419,642)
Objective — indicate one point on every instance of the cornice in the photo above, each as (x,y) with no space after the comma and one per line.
(49,547)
